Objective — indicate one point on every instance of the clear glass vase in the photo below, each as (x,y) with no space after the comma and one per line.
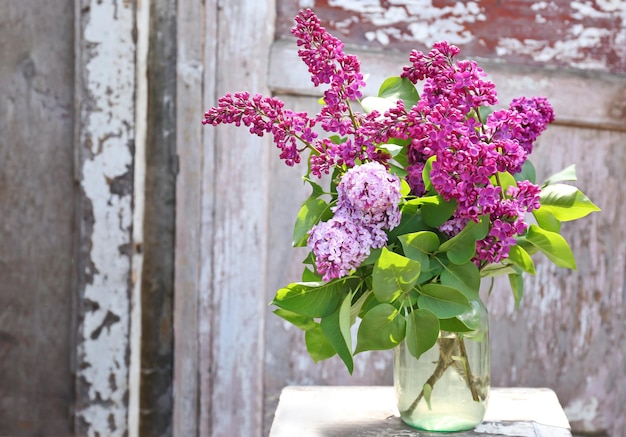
(447,388)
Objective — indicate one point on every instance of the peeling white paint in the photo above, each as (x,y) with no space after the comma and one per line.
(584,411)
(141,109)
(572,48)
(577,42)
(426,23)
(107,126)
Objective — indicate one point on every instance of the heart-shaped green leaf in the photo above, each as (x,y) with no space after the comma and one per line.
(382,327)
(553,245)
(393,275)
(311,212)
(422,331)
(443,301)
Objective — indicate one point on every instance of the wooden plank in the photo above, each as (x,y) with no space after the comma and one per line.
(157,281)
(569,333)
(36,217)
(371,411)
(189,143)
(581,35)
(237,272)
(105,89)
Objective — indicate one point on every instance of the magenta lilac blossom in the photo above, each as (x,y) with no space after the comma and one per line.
(447,127)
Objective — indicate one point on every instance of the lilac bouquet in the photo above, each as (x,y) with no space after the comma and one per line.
(429,192)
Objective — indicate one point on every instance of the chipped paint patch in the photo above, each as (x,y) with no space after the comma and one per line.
(106,137)
(415,20)
(580,34)
(584,411)
(587,33)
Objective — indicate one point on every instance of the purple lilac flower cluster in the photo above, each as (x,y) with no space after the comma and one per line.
(328,64)
(265,115)
(367,205)
(446,124)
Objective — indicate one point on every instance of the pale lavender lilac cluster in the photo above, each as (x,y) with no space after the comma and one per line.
(445,124)
(367,204)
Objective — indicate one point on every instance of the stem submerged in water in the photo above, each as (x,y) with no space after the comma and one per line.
(447,358)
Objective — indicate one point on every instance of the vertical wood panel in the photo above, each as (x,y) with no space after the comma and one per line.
(240,217)
(569,333)
(159,224)
(221,223)
(36,217)
(189,106)
(105,90)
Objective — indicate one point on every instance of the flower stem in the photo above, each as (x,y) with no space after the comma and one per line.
(447,349)
(468,371)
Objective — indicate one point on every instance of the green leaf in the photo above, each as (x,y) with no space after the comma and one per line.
(506,180)
(372,103)
(297,320)
(484,112)
(316,189)
(312,211)
(526,245)
(521,258)
(382,327)
(372,257)
(309,275)
(453,325)
(436,214)
(553,245)
(462,247)
(568,174)
(336,327)
(462,277)
(517,287)
(427,389)
(356,308)
(547,220)
(393,149)
(400,157)
(318,345)
(443,301)
(405,188)
(426,173)
(528,172)
(311,299)
(422,331)
(393,275)
(419,246)
(499,269)
(566,202)
(397,88)
(410,221)
(435,268)
(370,302)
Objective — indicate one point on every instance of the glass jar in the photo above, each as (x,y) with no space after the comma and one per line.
(447,388)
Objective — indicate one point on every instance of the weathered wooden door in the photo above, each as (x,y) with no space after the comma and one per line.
(70,247)
(237,202)
(36,217)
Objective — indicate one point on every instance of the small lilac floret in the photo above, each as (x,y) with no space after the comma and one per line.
(339,245)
